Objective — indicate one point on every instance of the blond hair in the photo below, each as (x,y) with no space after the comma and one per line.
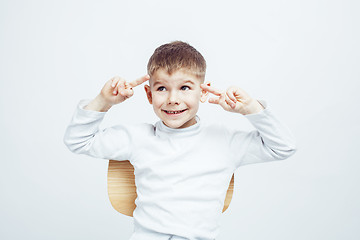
(176,56)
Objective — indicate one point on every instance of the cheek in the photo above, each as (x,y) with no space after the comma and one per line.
(194,101)
(157,100)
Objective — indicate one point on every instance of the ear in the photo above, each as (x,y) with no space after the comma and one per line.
(204,94)
(148,93)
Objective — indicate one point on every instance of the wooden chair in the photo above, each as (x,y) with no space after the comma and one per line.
(122,189)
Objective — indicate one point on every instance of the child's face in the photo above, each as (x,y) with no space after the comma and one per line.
(175,98)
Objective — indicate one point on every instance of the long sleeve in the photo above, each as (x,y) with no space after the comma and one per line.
(270,141)
(83,136)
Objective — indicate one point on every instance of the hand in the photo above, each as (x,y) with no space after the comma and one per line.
(234,99)
(115,91)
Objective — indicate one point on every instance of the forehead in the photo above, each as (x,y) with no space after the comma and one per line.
(177,77)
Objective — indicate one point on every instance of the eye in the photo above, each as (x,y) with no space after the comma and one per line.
(184,88)
(161,89)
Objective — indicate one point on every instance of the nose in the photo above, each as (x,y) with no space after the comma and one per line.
(173,98)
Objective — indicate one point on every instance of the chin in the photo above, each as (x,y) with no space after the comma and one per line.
(182,124)
(174,125)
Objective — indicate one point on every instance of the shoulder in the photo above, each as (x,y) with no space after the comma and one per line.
(221,129)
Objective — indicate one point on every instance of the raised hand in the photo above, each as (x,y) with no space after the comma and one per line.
(120,89)
(115,91)
(234,99)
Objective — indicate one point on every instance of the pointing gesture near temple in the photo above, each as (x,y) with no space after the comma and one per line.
(120,89)
(115,91)
(234,99)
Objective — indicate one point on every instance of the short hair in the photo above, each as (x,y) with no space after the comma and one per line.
(177,55)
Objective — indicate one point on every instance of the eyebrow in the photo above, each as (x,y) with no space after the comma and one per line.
(156,83)
(187,81)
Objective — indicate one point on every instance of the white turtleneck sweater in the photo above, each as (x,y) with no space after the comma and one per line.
(181,175)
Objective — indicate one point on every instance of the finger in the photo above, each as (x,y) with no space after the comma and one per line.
(127,85)
(119,86)
(217,100)
(127,91)
(211,89)
(230,94)
(214,100)
(229,102)
(139,81)
(240,94)
(115,89)
(223,101)
(114,82)
(230,99)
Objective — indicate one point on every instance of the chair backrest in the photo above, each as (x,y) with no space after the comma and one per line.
(122,189)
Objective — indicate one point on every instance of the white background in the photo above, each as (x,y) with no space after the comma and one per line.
(302,57)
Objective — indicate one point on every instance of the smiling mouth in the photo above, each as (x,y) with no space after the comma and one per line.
(174,112)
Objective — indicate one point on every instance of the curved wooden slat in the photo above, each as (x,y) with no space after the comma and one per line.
(229,194)
(122,188)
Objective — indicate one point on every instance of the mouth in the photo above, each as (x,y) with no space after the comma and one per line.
(174,112)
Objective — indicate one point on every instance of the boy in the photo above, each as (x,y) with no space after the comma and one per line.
(182,167)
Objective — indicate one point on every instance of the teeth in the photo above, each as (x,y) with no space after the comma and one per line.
(174,112)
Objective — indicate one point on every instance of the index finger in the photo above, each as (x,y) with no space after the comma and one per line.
(211,89)
(139,81)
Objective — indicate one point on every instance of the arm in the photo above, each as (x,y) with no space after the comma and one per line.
(83,134)
(270,141)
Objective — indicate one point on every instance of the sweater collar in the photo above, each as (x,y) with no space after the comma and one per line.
(162,129)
